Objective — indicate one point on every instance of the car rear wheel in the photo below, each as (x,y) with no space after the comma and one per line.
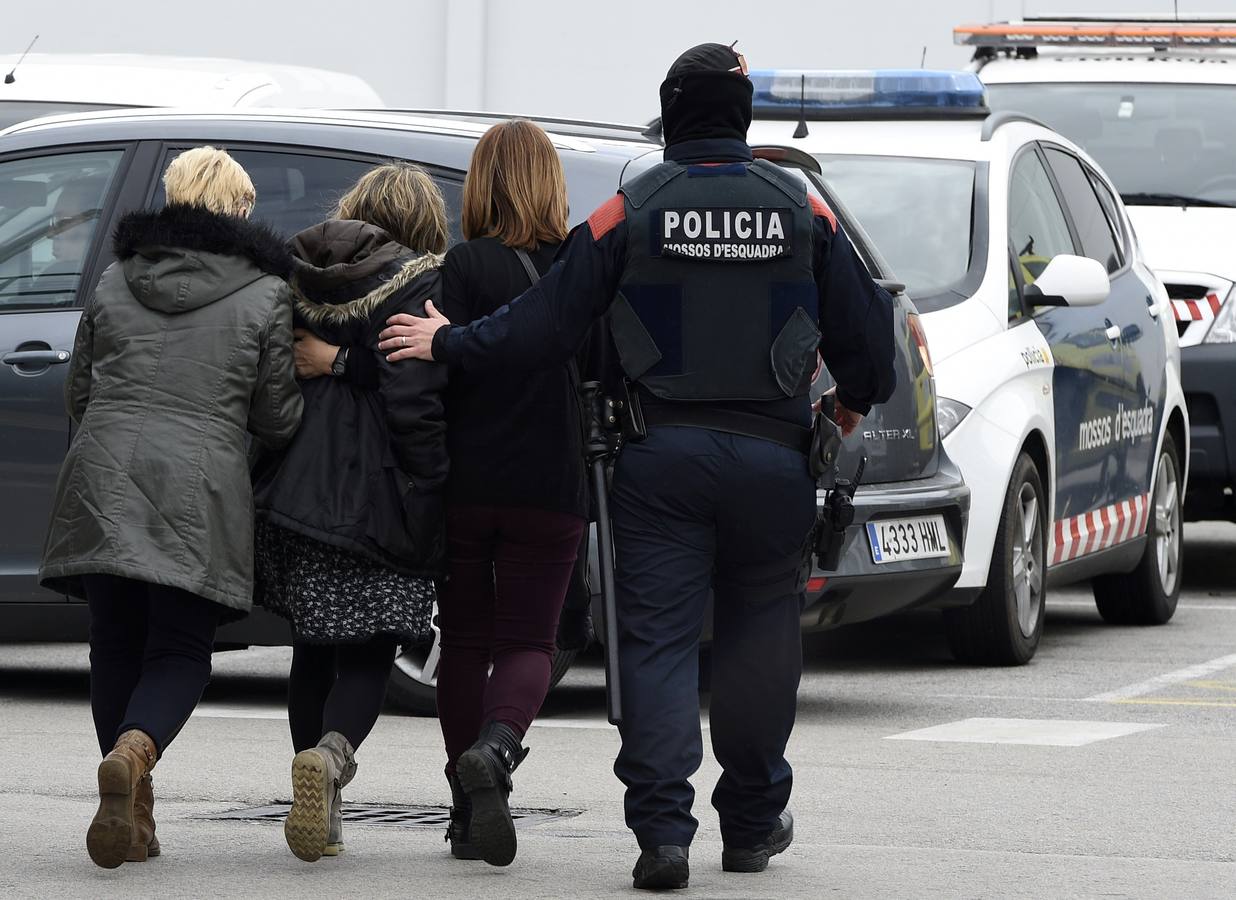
(1148,595)
(413,685)
(1004,624)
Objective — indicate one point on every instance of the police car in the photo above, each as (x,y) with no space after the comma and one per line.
(1154,103)
(1054,347)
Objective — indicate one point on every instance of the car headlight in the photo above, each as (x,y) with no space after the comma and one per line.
(1223,329)
(949,414)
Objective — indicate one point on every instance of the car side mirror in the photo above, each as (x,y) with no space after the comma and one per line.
(1070,281)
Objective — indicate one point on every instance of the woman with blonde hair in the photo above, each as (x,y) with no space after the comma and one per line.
(184,346)
(349,515)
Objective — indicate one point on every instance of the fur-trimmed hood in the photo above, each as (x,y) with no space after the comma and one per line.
(181,258)
(345,269)
(194,228)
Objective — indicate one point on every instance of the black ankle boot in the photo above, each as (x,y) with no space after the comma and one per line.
(484,771)
(459,831)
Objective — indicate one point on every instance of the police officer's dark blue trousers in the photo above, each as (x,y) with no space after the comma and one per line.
(694,511)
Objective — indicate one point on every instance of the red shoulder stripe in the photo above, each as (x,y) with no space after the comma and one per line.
(607,216)
(820,208)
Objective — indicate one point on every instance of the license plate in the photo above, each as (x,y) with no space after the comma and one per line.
(896,540)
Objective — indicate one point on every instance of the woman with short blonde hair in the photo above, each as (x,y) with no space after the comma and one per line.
(208,177)
(184,346)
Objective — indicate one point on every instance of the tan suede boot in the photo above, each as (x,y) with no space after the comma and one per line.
(318,775)
(145,842)
(112,832)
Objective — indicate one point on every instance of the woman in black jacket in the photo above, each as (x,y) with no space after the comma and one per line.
(349,531)
(516,502)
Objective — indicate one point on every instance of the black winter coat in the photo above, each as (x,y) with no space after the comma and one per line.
(366,470)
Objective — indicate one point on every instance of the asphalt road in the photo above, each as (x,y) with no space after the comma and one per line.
(1103,769)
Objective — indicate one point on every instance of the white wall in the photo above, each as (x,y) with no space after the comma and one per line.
(565,57)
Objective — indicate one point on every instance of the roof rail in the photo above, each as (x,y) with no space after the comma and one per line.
(573,127)
(1007,117)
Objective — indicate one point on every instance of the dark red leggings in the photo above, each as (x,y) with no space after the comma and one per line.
(509,571)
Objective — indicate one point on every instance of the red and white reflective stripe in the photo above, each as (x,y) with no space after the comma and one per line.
(1098,529)
(1203,310)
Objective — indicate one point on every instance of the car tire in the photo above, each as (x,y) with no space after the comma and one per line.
(1148,595)
(413,685)
(1003,626)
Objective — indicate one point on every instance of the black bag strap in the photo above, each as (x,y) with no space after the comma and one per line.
(533,275)
(573,365)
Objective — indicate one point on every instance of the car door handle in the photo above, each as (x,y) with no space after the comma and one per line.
(35,358)
(1113,333)
(1153,305)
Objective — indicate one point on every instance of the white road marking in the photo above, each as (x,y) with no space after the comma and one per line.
(217,711)
(1150,685)
(1083,604)
(1031,732)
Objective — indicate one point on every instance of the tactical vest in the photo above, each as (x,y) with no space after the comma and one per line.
(718,299)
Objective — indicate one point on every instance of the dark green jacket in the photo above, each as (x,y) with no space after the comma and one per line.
(184,349)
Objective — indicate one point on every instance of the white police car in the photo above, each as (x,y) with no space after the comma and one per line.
(1155,104)
(1055,352)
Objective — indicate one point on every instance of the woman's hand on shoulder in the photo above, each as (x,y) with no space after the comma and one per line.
(314,356)
(411,337)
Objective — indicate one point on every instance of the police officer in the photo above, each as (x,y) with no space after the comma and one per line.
(720,277)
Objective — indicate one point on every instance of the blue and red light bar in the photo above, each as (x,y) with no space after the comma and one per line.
(822,93)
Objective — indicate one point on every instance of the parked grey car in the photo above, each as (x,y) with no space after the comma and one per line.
(64,182)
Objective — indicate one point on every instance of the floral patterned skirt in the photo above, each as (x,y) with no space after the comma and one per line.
(331,596)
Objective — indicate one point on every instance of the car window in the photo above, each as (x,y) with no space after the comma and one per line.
(1108,201)
(892,196)
(50,207)
(1093,227)
(1038,229)
(1151,139)
(297,190)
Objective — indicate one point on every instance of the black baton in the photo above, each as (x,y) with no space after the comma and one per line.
(600,413)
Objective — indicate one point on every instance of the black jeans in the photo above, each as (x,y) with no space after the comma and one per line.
(150,649)
(696,510)
(337,687)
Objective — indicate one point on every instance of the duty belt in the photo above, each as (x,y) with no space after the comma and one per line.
(693,415)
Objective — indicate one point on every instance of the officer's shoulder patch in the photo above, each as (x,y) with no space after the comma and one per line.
(820,208)
(607,216)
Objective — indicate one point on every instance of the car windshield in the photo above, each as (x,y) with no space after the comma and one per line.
(1162,144)
(14,111)
(917,213)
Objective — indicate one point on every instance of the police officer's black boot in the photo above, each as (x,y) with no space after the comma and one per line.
(484,771)
(755,859)
(459,831)
(663,869)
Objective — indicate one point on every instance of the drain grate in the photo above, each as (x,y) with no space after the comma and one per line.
(389,816)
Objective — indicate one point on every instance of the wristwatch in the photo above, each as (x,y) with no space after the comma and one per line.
(340,365)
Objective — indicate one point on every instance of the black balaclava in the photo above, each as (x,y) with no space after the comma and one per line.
(705,95)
